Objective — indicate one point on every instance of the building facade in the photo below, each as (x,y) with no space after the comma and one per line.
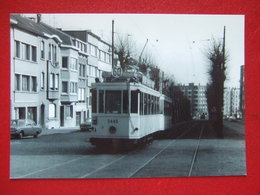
(231,102)
(51,73)
(196,94)
(242,91)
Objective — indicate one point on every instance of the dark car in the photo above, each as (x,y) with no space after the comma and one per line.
(86,126)
(24,127)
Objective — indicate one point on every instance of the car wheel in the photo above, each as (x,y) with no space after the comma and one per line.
(20,136)
(36,135)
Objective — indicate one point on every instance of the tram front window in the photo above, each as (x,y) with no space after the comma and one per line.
(113,102)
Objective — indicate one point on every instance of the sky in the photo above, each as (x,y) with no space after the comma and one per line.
(177,42)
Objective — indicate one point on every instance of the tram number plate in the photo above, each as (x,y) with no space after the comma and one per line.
(112,121)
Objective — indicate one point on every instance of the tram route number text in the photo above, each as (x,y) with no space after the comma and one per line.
(112,121)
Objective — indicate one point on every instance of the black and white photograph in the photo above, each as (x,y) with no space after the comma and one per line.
(126,96)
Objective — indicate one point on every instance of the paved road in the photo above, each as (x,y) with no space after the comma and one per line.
(192,150)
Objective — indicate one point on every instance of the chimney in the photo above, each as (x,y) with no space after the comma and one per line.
(39,17)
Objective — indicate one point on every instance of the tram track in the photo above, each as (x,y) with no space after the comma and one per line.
(144,164)
(157,154)
(114,161)
(196,151)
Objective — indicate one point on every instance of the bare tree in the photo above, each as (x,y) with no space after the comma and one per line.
(217,59)
(124,48)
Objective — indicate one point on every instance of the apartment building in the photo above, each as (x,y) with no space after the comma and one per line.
(231,102)
(94,58)
(51,73)
(196,94)
(35,74)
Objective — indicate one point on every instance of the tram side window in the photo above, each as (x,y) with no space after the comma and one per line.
(157,106)
(141,104)
(134,102)
(101,101)
(145,104)
(152,104)
(94,100)
(125,101)
(148,104)
(113,102)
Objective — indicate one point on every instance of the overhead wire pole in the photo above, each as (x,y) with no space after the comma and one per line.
(222,67)
(142,51)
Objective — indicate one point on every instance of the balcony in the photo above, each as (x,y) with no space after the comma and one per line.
(53,94)
(69,97)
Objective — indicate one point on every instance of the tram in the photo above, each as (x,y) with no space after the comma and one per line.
(127,110)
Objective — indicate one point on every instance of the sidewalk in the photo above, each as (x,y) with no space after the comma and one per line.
(59,130)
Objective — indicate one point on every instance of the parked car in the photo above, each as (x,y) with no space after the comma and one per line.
(86,126)
(24,127)
(232,119)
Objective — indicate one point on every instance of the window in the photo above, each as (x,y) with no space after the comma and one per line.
(33,84)
(49,51)
(93,100)
(32,113)
(26,83)
(102,56)
(89,70)
(64,62)
(27,52)
(93,50)
(17,49)
(73,64)
(125,101)
(56,84)
(42,80)
(52,110)
(107,58)
(101,101)
(71,111)
(42,50)
(141,104)
(17,82)
(113,102)
(52,81)
(96,72)
(34,54)
(55,54)
(145,104)
(81,94)
(73,87)
(21,113)
(82,70)
(64,87)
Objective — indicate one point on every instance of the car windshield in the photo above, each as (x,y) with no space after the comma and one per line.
(17,123)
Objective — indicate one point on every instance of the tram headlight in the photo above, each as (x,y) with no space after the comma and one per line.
(112,129)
